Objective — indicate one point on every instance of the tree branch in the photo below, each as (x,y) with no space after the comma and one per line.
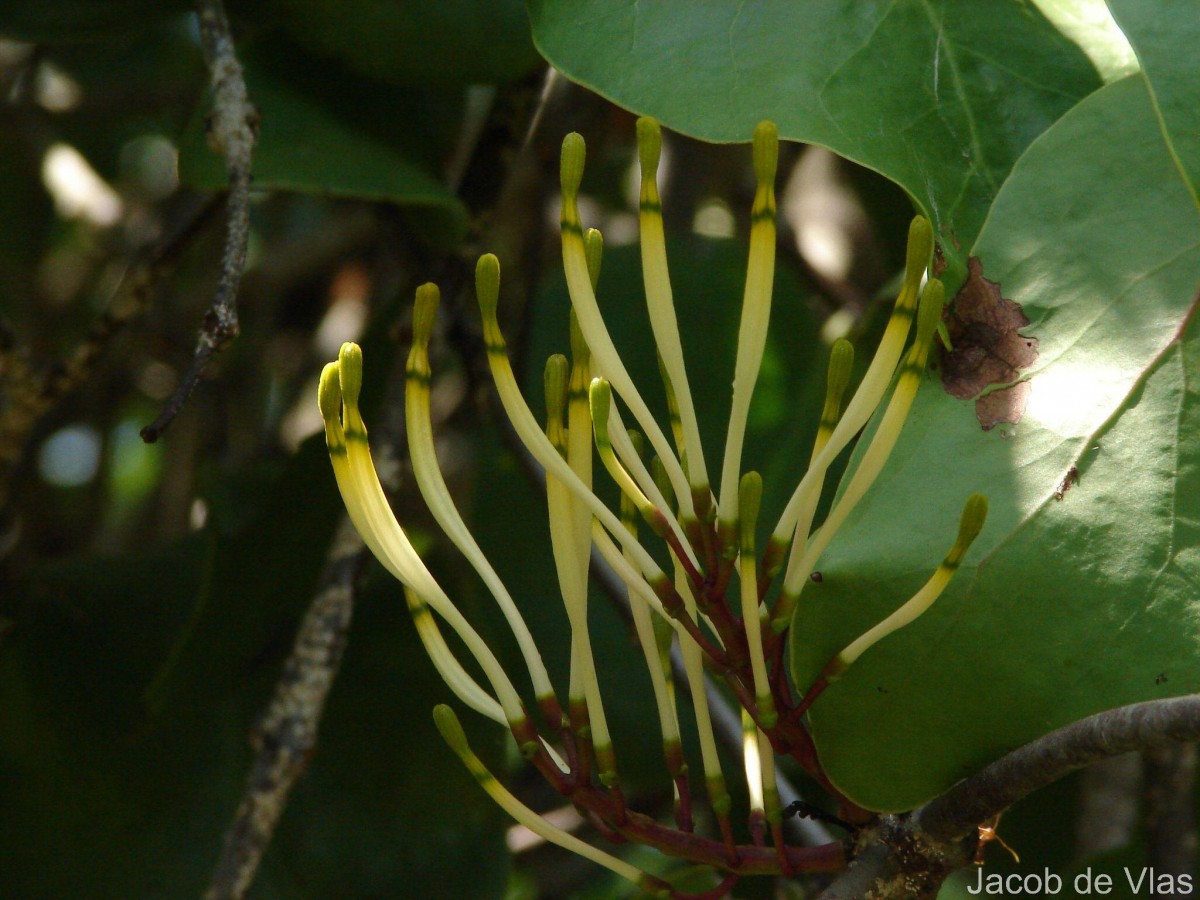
(233,129)
(1139,726)
(287,734)
(911,855)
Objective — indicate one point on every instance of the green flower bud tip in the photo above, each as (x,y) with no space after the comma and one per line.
(841,363)
(350,371)
(766,152)
(658,471)
(944,335)
(329,394)
(749,501)
(593,250)
(579,348)
(933,298)
(722,805)
(571,169)
(920,249)
(649,138)
(487,284)
(974,514)
(639,442)
(557,370)
(451,729)
(599,400)
(425,312)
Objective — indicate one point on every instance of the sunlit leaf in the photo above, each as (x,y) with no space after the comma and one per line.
(1162,34)
(1064,608)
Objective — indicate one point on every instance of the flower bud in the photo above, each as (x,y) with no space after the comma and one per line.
(487,284)
(649,140)
(329,394)
(451,729)
(574,151)
(425,312)
(350,371)
(766,152)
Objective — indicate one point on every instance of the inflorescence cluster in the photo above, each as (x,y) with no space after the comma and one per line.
(712,600)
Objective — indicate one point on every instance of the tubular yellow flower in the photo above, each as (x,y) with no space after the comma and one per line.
(661,305)
(583,300)
(487,278)
(870,390)
(578,453)
(804,557)
(452,733)
(437,496)
(974,514)
(572,579)
(711,541)
(372,516)
(752,332)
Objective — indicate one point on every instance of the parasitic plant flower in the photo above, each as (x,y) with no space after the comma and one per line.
(711,602)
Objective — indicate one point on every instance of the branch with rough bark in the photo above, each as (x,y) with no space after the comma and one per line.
(910,856)
(233,129)
(287,734)
(1140,726)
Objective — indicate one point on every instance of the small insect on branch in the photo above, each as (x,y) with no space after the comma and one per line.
(1068,480)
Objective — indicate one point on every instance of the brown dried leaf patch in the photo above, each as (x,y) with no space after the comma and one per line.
(984,329)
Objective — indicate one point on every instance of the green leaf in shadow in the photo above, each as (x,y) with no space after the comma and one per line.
(344,137)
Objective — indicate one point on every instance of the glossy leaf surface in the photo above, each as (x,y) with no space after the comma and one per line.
(1064,607)
(941,97)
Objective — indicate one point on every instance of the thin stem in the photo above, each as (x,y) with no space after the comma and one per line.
(418,421)
(234,129)
(752,329)
(606,361)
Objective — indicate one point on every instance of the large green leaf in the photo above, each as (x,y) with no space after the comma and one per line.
(1063,608)
(444,42)
(941,97)
(1162,34)
(327,132)
(1090,24)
